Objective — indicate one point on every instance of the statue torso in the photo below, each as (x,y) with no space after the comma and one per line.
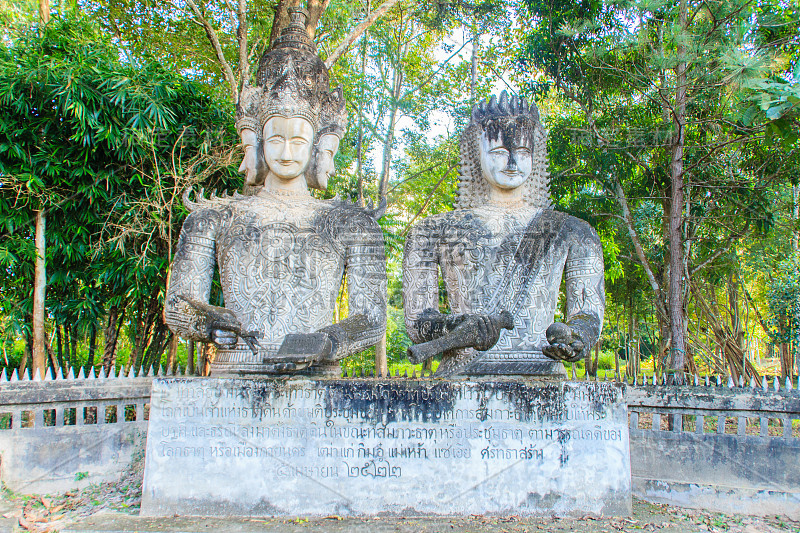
(477,254)
(280,263)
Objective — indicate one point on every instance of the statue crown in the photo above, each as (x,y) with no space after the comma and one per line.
(493,109)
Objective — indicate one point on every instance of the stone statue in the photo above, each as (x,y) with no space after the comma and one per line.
(281,254)
(502,253)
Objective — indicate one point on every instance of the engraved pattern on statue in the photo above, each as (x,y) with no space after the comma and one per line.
(191,273)
(494,255)
(275,269)
(475,248)
(358,234)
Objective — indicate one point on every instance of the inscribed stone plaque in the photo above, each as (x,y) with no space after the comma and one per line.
(364,447)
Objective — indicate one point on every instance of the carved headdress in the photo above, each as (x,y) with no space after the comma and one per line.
(490,116)
(292,81)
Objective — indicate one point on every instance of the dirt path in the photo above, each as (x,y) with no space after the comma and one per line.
(105,510)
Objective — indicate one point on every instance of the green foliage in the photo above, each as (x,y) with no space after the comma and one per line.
(783,298)
(99,145)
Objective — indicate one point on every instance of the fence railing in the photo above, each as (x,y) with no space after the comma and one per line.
(710,442)
(73,401)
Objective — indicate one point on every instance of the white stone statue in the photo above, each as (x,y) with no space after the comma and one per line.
(281,254)
(502,253)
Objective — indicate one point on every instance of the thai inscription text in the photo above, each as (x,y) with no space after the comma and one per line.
(373,429)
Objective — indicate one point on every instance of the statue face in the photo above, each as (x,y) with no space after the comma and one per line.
(287,145)
(327,147)
(506,155)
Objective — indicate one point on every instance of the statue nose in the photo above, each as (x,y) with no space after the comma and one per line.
(286,153)
(512,163)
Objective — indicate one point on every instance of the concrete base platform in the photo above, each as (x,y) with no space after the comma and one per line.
(261,447)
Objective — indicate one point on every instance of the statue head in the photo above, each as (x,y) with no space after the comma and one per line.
(503,147)
(334,123)
(287,145)
(297,113)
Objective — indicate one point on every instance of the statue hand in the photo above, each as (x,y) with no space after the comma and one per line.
(488,332)
(565,343)
(301,350)
(224,328)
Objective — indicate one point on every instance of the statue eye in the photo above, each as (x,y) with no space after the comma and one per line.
(499,151)
(523,152)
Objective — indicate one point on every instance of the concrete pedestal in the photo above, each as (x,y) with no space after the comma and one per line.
(367,447)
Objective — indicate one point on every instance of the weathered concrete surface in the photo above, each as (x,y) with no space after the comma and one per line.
(43,459)
(366,447)
(729,473)
(752,471)
(57,459)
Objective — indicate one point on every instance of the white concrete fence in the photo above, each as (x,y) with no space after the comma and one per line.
(710,443)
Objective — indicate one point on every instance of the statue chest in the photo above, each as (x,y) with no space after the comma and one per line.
(482,270)
(278,276)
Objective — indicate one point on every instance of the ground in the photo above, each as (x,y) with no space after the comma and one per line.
(111,508)
(114,507)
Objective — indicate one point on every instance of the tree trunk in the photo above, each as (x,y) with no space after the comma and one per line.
(360,142)
(190,358)
(397,86)
(59,345)
(39,282)
(153,356)
(676,264)
(381,361)
(476,43)
(92,345)
(73,346)
(208,354)
(44,11)
(786,362)
(632,367)
(795,216)
(111,334)
(28,350)
(146,332)
(52,356)
(173,352)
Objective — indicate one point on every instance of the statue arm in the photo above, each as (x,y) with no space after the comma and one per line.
(191,274)
(365,264)
(424,322)
(585,288)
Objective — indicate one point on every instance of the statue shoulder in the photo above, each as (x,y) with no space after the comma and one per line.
(213,202)
(340,218)
(203,221)
(576,229)
(206,214)
(443,222)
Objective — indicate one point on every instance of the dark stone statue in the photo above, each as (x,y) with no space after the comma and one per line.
(502,254)
(281,253)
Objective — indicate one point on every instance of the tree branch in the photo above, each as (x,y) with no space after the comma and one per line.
(428,199)
(241,36)
(637,245)
(356,33)
(227,71)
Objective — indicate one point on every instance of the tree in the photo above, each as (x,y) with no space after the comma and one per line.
(98,145)
(677,75)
